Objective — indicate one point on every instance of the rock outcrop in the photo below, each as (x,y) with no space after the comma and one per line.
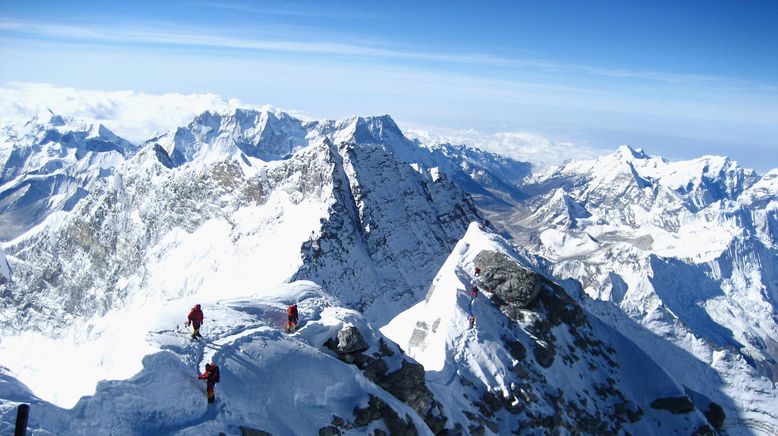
(350,341)
(513,286)
(675,405)
(407,383)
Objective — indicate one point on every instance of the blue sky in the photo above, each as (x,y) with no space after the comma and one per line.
(680,79)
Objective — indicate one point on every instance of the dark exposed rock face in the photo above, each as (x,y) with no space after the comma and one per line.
(704,430)
(247,431)
(716,416)
(330,430)
(377,409)
(544,353)
(407,383)
(517,349)
(350,341)
(543,310)
(409,386)
(513,286)
(677,405)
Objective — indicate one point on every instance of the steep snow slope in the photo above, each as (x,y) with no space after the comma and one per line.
(46,164)
(578,375)
(350,217)
(391,224)
(151,230)
(685,249)
(270,381)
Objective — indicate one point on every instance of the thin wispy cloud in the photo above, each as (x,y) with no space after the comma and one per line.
(182,37)
(292,11)
(138,116)
(516,68)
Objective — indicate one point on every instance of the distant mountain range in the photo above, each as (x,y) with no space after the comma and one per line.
(622,294)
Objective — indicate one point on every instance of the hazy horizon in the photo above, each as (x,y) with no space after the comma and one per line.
(679,80)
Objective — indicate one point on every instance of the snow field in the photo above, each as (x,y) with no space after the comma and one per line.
(280,383)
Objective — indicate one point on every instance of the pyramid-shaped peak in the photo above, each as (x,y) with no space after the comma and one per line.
(377,128)
(382,122)
(627,152)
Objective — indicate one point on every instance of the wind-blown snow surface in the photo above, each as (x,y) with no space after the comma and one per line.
(687,250)
(270,381)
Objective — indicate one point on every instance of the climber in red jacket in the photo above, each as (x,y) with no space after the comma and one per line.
(195,319)
(291,317)
(211,377)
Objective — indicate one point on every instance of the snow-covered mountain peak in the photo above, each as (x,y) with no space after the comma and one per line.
(627,152)
(697,183)
(269,135)
(56,120)
(619,165)
(49,118)
(59,131)
(212,136)
(380,130)
(46,164)
(763,193)
(517,349)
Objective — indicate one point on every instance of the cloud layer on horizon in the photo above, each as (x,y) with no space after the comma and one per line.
(135,116)
(138,116)
(531,147)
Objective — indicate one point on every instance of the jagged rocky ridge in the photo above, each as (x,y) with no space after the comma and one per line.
(274,136)
(218,150)
(535,361)
(686,250)
(323,195)
(357,237)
